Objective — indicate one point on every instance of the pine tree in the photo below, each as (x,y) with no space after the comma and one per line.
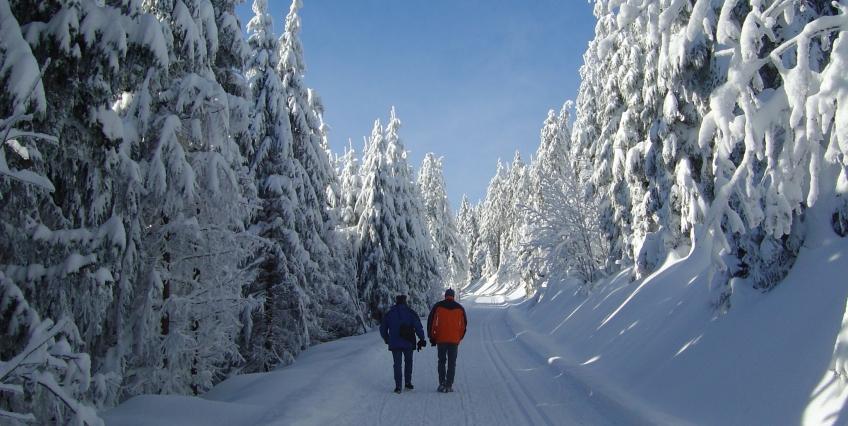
(468,227)
(278,330)
(419,262)
(377,267)
(44,375)
(552,156)
(351,186)
(190,295)
(446,242)
(394,255)
(492,221)
(329,302)
(518,191)
(90,218)
(727,185)
(229,66)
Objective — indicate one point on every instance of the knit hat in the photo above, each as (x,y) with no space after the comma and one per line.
(449,293)
(400,299)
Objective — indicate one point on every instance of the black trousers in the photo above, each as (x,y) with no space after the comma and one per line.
(406,356)
(447,354)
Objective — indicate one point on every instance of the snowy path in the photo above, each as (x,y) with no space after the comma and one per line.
(349,382)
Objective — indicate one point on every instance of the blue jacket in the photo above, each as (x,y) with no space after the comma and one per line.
(398,315)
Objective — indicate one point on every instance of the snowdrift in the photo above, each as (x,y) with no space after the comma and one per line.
(658,345)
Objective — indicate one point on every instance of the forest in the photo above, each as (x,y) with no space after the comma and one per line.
(172,214)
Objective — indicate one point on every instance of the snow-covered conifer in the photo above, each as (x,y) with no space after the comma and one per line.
(394,254)
(553,152)
(493,221)
(378,275)
(419,262)
(691,142)
(190,291)
(42,375)
(278,330)
(517,192)
(468,227)
(446,241)
(331,310)
(83,236)
(351,185)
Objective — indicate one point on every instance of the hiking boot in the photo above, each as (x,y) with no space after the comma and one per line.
(409,386)
(397,389)
(441,389)
(448,388)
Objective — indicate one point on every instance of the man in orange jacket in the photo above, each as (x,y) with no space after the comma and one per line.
(446,327)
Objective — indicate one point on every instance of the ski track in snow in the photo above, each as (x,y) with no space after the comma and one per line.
(490,351)
(499,380)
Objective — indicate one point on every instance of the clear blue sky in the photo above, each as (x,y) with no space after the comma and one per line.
(472,80)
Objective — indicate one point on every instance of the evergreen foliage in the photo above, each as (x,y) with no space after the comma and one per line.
(698,124)
(394,254)
(446,242)
(170,214)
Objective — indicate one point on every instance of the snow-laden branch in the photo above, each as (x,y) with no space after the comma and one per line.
(24,418)
(83,414)
(43,334)
(564,230)
(46,354)
(736,92)
(10,133)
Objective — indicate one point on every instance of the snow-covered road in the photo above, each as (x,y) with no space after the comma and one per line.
(500,380)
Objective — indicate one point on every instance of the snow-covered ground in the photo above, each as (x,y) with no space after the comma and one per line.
(650,351)
(500,381)
(658,345)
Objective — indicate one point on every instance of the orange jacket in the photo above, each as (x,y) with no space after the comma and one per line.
(447,322)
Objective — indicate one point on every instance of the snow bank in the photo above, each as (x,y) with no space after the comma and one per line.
(658,346)
(495,290)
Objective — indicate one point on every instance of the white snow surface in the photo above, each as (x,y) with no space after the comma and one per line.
(658,345)
(499,380)
(651,351)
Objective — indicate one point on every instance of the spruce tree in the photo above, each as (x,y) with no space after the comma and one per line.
(445,240)
(278,330)
(468,227)
(331,310)
(378,270)
(46,375)
(394,255)
(190,291)
(351,186)
(419,262)
(690,146)
(492,221)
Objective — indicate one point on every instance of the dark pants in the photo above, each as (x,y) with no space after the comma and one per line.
(407,361)
(447,353)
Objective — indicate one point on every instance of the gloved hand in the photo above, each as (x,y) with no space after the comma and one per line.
(432,343)
(386,341)
(421,344)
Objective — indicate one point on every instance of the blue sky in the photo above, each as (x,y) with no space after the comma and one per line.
(472,80)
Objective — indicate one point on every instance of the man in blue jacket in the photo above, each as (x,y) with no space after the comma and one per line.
(399,328)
